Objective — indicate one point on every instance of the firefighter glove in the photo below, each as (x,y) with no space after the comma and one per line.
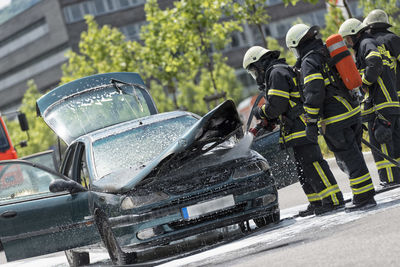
(382,132)
(253,131)
(312,132)
(259,113)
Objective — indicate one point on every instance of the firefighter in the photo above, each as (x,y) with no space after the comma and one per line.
(381,105)
(378,26)
(283,101)
(329,106)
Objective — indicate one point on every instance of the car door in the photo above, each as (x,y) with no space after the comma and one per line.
(35,221)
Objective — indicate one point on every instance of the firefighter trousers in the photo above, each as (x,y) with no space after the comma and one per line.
(315,176)
(345,143)
(387,171)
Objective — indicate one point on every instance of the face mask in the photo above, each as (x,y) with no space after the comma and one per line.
(257,74)
(295,52)
(253,72)
(260,79)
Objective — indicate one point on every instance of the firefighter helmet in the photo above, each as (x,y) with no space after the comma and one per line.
(255,53)
(298,33)
(350,27)
(377,16)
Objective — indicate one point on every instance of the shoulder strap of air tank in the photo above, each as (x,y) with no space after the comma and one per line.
(334,60)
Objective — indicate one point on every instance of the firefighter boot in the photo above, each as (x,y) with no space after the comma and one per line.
(362,205)
(324,209)
(310,209)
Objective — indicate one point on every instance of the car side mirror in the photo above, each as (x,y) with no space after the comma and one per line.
(61,185)
(23,122)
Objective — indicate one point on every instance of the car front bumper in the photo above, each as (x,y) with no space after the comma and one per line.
(254,199)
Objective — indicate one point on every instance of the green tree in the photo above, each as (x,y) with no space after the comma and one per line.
(285,53)
(162,55)
(333,19)
(254,12)
(41,137)
(182,44)
(294,2)
(101,50)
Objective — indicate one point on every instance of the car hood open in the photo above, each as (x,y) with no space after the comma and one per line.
(211,130)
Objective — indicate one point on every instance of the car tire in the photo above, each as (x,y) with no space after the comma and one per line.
(266,220)
(75,258)
(117,255)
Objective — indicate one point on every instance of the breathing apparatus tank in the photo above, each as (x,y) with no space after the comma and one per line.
(344,62)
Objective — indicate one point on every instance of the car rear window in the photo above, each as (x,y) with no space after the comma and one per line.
(96,108)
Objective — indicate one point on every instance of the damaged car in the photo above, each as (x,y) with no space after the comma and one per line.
(137,179)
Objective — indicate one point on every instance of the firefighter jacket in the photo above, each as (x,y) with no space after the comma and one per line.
(391,42)
(283,102)
(378,75)
(325,97)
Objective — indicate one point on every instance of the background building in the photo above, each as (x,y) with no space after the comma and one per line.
(33,41)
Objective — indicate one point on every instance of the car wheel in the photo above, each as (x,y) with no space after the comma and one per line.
(266,220)
(117,256)
(75,258)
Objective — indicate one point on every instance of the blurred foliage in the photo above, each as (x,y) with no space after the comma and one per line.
(180,50)
(41,136)
(294,2)
(333,19)
(389,6)
(254,12)
(178,54)
(285,53)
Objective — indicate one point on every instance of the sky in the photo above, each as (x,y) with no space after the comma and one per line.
(4,3)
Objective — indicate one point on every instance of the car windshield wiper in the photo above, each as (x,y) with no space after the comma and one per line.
(121,91)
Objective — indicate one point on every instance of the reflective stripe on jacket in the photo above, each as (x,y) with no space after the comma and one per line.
(378,73)
(282,96)
(320,99)
(391,43)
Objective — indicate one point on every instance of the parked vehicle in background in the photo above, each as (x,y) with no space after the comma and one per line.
(7,149)
(266,143)
(137,179)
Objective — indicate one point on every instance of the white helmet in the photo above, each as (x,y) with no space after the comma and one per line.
(350,27)
(295,34)
(377,16)
(255,53)
(298,33)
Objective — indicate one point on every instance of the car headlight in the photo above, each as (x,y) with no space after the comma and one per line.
(133,201)
(250,169)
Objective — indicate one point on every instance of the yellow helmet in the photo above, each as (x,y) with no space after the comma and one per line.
(350,27)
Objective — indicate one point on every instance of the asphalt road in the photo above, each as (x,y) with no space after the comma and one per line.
(365,238)
(292,195)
